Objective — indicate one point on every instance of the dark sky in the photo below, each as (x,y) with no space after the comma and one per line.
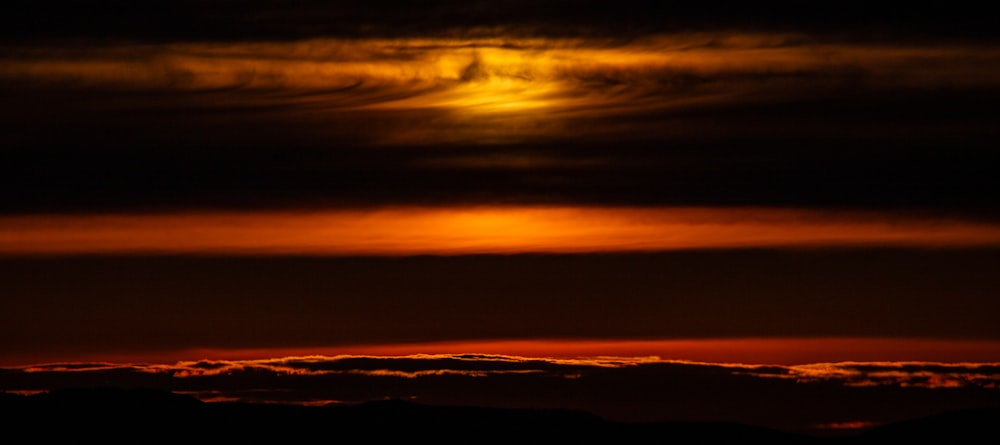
(149,110)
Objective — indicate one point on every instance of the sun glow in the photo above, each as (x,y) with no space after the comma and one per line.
(501,94)
(488,80)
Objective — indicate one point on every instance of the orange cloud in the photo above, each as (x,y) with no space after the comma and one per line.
(899,373)
(481,90)
(475,230)
(476,77)
(810,359)
(920,374)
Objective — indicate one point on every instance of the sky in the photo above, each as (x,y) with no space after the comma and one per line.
(727,194)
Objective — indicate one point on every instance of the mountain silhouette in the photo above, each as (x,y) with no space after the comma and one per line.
(146,415)
(966,426)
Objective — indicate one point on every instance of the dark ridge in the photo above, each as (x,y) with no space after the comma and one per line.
(972,426)
(141,415)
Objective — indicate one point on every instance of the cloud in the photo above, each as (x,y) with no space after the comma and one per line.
(578,73)
(620,388)
(478,230)
(907,374)
(679,118)
(852,374)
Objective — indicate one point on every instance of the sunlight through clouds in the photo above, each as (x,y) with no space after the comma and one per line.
(572,76)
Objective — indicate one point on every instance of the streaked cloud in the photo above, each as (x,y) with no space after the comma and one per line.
(916,374)
(476,230)
(859,374)
(491,88)
(671,118)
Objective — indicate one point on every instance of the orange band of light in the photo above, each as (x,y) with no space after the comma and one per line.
(474,230)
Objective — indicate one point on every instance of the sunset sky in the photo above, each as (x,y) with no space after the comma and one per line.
(503,188)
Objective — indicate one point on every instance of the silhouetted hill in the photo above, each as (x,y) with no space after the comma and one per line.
(968,426)
(149,415)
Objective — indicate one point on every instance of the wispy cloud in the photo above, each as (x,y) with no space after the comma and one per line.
(553,79)
(858,374)
(916,374)
(678,118)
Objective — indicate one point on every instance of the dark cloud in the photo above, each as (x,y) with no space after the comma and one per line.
(462,363)
(265,19)
(796,398)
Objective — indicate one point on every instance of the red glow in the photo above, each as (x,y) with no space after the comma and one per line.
(785,351)
(777,351)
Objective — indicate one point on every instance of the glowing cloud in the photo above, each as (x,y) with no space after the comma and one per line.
(543,77)
(472,230)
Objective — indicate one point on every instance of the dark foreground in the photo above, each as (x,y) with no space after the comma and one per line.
(149,415)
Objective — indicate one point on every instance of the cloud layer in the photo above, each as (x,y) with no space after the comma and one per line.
(479,230)
(695,118)
(625,389)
